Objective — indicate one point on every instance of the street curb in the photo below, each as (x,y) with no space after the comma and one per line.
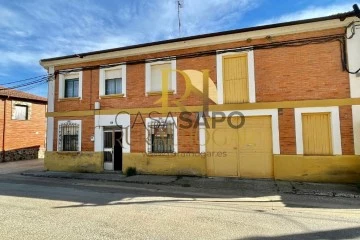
(174,182)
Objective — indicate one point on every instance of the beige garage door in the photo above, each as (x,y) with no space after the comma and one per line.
(244,152)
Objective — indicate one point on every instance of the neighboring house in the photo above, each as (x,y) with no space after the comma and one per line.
(289,80)
(22,125)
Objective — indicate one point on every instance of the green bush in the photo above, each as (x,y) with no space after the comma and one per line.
(130,171)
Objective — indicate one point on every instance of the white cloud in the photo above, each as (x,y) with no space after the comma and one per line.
(310,12)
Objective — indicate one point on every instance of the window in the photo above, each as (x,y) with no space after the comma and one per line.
(154,73)
(161,136)
(112,81)
(69,136)
(21,112)
(71,88)
(318,131)
(70,85)
(236,77)
(113,86)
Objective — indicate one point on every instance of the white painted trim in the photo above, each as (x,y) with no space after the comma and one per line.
(251,74)
(202,135)
(335,127)
(221,39)
(170,119)
(102,79)
(248,113)
(63,76)
(50,134)
(51,90)
(148,74)
(102,121)
(356,128)
(79,136)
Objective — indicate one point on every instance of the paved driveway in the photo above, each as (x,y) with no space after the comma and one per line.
(21,166)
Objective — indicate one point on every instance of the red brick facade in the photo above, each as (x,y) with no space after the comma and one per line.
(309,72)
(21,134)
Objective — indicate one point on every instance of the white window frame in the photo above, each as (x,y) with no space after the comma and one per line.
(169,119)
(79,135)
(148,74)
(102,80)
(247,113)
(335,127)
(70,75)
(251,73)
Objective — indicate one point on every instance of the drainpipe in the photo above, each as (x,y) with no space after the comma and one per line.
(4,125)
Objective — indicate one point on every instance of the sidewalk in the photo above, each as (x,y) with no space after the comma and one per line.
(239,186)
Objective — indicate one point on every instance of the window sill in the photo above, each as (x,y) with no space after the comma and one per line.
(69,99)
(69,152)
(161,154)
(155,93)
(112,96)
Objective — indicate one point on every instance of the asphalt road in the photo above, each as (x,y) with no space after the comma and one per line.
(42,208)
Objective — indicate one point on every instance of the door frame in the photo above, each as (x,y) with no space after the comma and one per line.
(107,165)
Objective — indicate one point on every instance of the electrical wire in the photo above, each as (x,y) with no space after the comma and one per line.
(288,43)
(28,84)
(341,38)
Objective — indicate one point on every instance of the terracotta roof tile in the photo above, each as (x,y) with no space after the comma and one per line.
(12,93)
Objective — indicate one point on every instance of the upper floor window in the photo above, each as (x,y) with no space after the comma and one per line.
(21,112)
(236,78)
(70,85)
(154,76)
(113,81)
(71,88)
(69,135)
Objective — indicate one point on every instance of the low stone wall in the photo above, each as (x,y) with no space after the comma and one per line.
(22,154)
(74,161)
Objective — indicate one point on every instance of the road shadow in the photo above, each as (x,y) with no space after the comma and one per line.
(345,233)
(86,193)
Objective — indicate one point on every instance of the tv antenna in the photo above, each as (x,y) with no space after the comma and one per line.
(180,4)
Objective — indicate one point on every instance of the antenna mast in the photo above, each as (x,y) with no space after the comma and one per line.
(180,4)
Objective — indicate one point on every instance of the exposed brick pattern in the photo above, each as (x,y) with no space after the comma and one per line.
(20,134)
(287,131)
(281,74)
(346,127)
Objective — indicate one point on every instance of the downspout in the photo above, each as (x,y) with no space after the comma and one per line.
(3,139)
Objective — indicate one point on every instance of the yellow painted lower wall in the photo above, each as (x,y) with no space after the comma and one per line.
(335,169)
(180,164)
(74,161)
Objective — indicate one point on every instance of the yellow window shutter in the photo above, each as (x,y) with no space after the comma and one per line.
(235,78)
(317,134)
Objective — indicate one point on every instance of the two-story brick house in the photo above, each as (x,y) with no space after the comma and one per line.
(280,96)
(22,125)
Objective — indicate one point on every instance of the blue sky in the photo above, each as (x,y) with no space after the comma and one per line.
(32,30)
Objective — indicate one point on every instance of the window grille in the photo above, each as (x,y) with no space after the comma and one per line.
(161,137)
(69,136)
